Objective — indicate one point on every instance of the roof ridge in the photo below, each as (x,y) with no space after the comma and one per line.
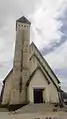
(38,67)
(23,19)
(45,61)
(46,71)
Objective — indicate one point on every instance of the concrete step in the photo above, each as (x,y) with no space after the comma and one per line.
(31,108)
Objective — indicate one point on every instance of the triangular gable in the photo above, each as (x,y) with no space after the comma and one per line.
(30,78)
(45,62)
(46,71)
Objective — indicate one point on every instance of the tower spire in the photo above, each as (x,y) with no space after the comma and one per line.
(23,20)
(21,61)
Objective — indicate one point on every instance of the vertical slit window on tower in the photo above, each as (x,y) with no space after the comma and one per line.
(20,84)
(21,60)
(24,25)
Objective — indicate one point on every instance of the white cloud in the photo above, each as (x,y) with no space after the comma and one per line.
(45,30)
(58,58)
(45,24)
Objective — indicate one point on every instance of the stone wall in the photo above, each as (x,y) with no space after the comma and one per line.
(21,63)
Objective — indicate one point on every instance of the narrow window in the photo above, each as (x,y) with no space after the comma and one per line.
(20,84)
(46,118)
(24,25)
(21,60)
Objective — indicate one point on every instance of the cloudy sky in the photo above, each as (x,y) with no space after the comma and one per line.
(48,31)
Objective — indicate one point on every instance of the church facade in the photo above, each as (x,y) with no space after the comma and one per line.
(31,79)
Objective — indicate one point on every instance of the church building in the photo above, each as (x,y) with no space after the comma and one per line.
(31,80)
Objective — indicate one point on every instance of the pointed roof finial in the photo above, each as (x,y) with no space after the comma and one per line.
(23,20)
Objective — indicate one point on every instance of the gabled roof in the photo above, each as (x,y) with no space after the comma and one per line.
(3,87)
(46,71)
(45,62)
(23,20)
(30,78)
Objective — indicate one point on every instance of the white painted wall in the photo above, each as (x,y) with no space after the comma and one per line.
(50,93)
(38,81)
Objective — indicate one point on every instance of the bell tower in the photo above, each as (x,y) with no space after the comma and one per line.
(21,61)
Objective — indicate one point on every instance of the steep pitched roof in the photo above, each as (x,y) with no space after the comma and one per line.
(7,76)
(30,78)
(46,72)
(45,62)
(23,20)
(3,87)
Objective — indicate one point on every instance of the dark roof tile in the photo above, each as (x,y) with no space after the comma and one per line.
(23,20)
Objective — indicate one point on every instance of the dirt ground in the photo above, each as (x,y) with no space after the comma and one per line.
(31,111)
(56,115)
